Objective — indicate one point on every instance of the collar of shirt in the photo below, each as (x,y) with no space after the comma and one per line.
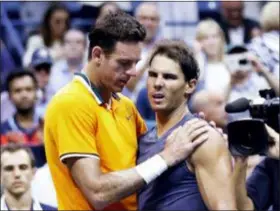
(94,90)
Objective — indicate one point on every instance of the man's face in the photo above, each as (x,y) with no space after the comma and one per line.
(74,45)
(117,68)
(233,12)
(23,93)
(42,74)
(211,43)
(148,16)
(16,172)
(215,110)
(166,84)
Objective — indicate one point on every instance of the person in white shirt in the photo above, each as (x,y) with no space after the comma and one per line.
(55,23)
(209,51)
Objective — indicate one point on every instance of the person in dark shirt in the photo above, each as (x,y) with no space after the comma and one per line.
(261,190)
(238,29)
(203,180)
(23,125)
(17,171)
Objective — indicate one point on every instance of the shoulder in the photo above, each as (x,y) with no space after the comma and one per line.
(5,127)
(35,39)
(211,149)
(47,207)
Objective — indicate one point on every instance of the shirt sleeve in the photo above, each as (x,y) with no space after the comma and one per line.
(260,187)
(75,127)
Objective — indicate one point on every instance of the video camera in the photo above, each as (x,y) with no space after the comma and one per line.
(249,136)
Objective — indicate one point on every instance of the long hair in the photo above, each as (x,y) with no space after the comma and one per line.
(46,28)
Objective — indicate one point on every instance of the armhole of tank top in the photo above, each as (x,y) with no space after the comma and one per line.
(189,166)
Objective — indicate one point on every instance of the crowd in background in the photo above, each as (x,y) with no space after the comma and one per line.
(58,48)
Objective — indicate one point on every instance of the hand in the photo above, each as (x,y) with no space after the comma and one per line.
(258,67)
(184,140)
(273,150)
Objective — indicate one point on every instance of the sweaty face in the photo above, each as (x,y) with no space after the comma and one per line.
(211,43)
(16,172)
(23,93)
(117,68)
(166,84)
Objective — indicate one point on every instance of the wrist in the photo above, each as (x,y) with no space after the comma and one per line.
(152,168)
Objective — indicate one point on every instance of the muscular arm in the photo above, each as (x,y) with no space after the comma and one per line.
(103,189)
(213,170)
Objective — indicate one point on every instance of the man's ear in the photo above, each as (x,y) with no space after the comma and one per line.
(190,87)
(97,54)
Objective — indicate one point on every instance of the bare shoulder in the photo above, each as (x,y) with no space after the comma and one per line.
(211,149)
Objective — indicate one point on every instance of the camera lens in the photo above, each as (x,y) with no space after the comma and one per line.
(243,61)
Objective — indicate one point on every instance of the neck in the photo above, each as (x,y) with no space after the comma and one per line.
(25,117)
(93,77)
(22,202)
(74,64)
(166,120)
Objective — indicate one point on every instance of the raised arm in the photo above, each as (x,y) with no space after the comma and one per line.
(213,170)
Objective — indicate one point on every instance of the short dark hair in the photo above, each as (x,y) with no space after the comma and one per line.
(178,51)
(114,27)
(19,73)
(14,147)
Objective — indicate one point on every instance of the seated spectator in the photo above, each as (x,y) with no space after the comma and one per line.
(17,171)
(106,7)
(55,24)
(41,64)
(212,104)
(266,46)
(238,29)
(22,126)
(74,45)
(210,54)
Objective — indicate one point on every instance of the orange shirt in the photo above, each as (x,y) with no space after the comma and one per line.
(78,124)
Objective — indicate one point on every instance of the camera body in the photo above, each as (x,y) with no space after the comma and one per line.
(249,136)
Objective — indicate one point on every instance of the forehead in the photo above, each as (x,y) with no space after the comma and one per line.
(163,64)
(148,9)
(74,35)
(22,81)
(127,50)
(60,13)
(15,158)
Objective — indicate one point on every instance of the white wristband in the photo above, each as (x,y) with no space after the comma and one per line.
(151,168)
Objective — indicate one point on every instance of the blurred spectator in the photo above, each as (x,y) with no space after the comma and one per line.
(17,171)
(23,125)
(74,45)
(210,51)
(213,106)
(147,14)
(238,29)
(7,63)
(55,23)
(266,46)
(244,82)
(106,7)
(41,64)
